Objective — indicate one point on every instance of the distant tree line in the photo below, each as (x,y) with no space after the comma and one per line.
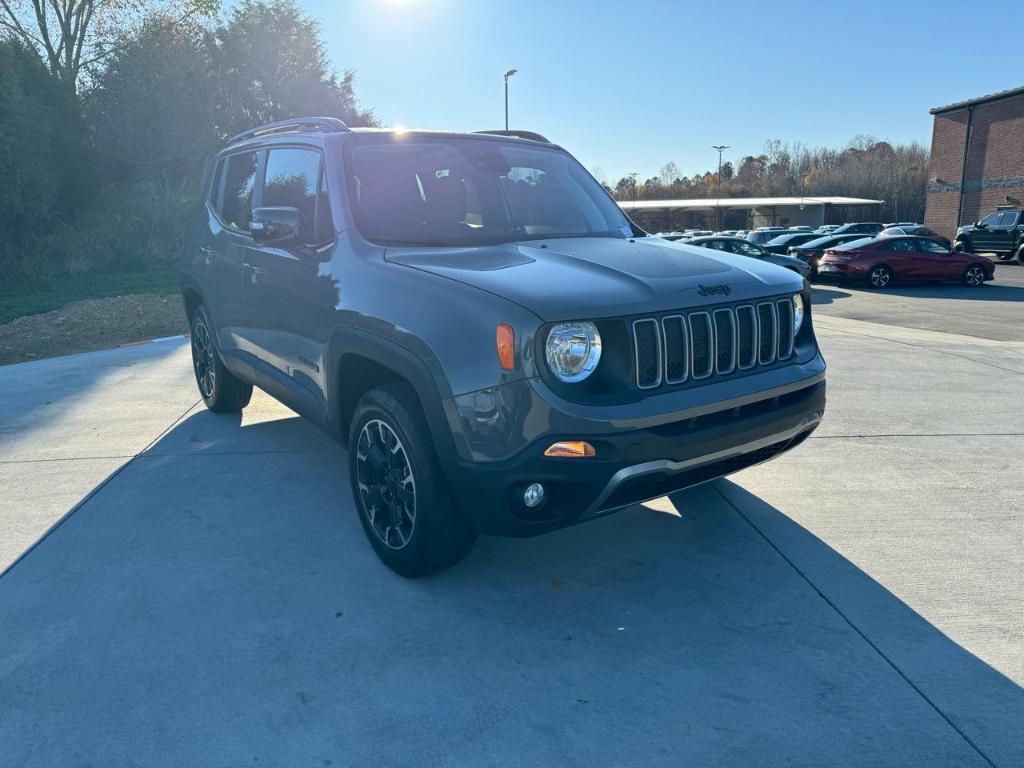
(866,167)
(109,110)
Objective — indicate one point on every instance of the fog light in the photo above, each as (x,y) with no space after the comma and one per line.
(533,496)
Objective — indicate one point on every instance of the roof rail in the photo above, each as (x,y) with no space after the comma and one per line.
(517,135)
(321,124)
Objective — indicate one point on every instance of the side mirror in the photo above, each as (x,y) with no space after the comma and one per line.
(276,226)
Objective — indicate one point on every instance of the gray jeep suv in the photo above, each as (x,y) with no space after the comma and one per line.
(499,347)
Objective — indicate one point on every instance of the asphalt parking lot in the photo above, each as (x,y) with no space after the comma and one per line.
(210,598)
(993,311)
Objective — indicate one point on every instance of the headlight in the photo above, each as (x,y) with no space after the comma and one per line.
(798,313)
(573,350)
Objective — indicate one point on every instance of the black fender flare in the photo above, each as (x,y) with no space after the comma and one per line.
(189,283)
(431,387)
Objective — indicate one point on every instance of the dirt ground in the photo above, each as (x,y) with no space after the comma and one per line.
(83,326)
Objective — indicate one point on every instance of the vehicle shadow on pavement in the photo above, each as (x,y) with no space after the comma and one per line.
(988,292)
(217,603)
(821,295)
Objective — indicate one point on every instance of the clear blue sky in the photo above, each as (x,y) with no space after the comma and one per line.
(628,86)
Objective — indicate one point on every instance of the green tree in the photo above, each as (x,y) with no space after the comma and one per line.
(28,118)
(152,107)
(269,63)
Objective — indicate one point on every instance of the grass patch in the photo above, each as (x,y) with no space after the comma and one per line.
(33,297)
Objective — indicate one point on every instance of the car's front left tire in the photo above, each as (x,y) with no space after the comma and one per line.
(220,389)
(399,488)
(973,276)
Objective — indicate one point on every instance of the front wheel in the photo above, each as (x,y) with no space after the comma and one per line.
(398,486)
(959,246)
(220,389)
(1020,255)
(973,276)
(880,276)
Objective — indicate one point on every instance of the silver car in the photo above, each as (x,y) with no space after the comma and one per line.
(754,251)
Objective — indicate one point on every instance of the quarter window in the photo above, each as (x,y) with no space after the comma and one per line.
(292,180)
(236,207)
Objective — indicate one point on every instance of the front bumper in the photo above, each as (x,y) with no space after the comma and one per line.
(633,465)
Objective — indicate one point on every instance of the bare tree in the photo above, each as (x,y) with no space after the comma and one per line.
(71,35)
(669,173)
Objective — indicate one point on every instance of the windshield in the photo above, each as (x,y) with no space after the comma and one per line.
(441,191)
(821,242)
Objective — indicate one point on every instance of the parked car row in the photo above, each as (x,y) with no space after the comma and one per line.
(741,247)
(875,253)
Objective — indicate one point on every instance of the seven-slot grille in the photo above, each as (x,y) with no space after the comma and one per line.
(696,345)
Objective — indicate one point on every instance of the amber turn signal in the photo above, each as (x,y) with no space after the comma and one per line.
(506,340)
(571,449)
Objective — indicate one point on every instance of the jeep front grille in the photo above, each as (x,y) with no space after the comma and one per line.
(694,346)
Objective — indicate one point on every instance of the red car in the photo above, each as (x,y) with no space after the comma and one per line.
(880,260)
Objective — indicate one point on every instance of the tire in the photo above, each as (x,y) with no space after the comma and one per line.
(1020,255)
(403,502)
(879,277)
(220,389)
(973,276)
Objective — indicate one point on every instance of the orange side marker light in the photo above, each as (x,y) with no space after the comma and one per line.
(506,340)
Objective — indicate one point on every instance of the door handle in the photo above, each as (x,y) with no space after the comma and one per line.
(255,273)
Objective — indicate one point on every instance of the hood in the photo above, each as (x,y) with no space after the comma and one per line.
(594,277)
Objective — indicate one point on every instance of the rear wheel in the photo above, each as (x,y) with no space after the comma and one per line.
(220,389)
(880,276)
(403,502)
(973,276)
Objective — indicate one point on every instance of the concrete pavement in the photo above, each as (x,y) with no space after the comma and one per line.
(213,600)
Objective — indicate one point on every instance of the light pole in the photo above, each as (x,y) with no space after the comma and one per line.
(718,193)
(507,76)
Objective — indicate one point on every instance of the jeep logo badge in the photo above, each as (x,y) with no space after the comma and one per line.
(711,290)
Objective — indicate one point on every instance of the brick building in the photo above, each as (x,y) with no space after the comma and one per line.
(977,160)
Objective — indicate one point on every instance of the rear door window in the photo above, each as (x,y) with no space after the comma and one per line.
(236,205)
(898,246)
(292,180)
(1007,218)
(930,246)
(214,192)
